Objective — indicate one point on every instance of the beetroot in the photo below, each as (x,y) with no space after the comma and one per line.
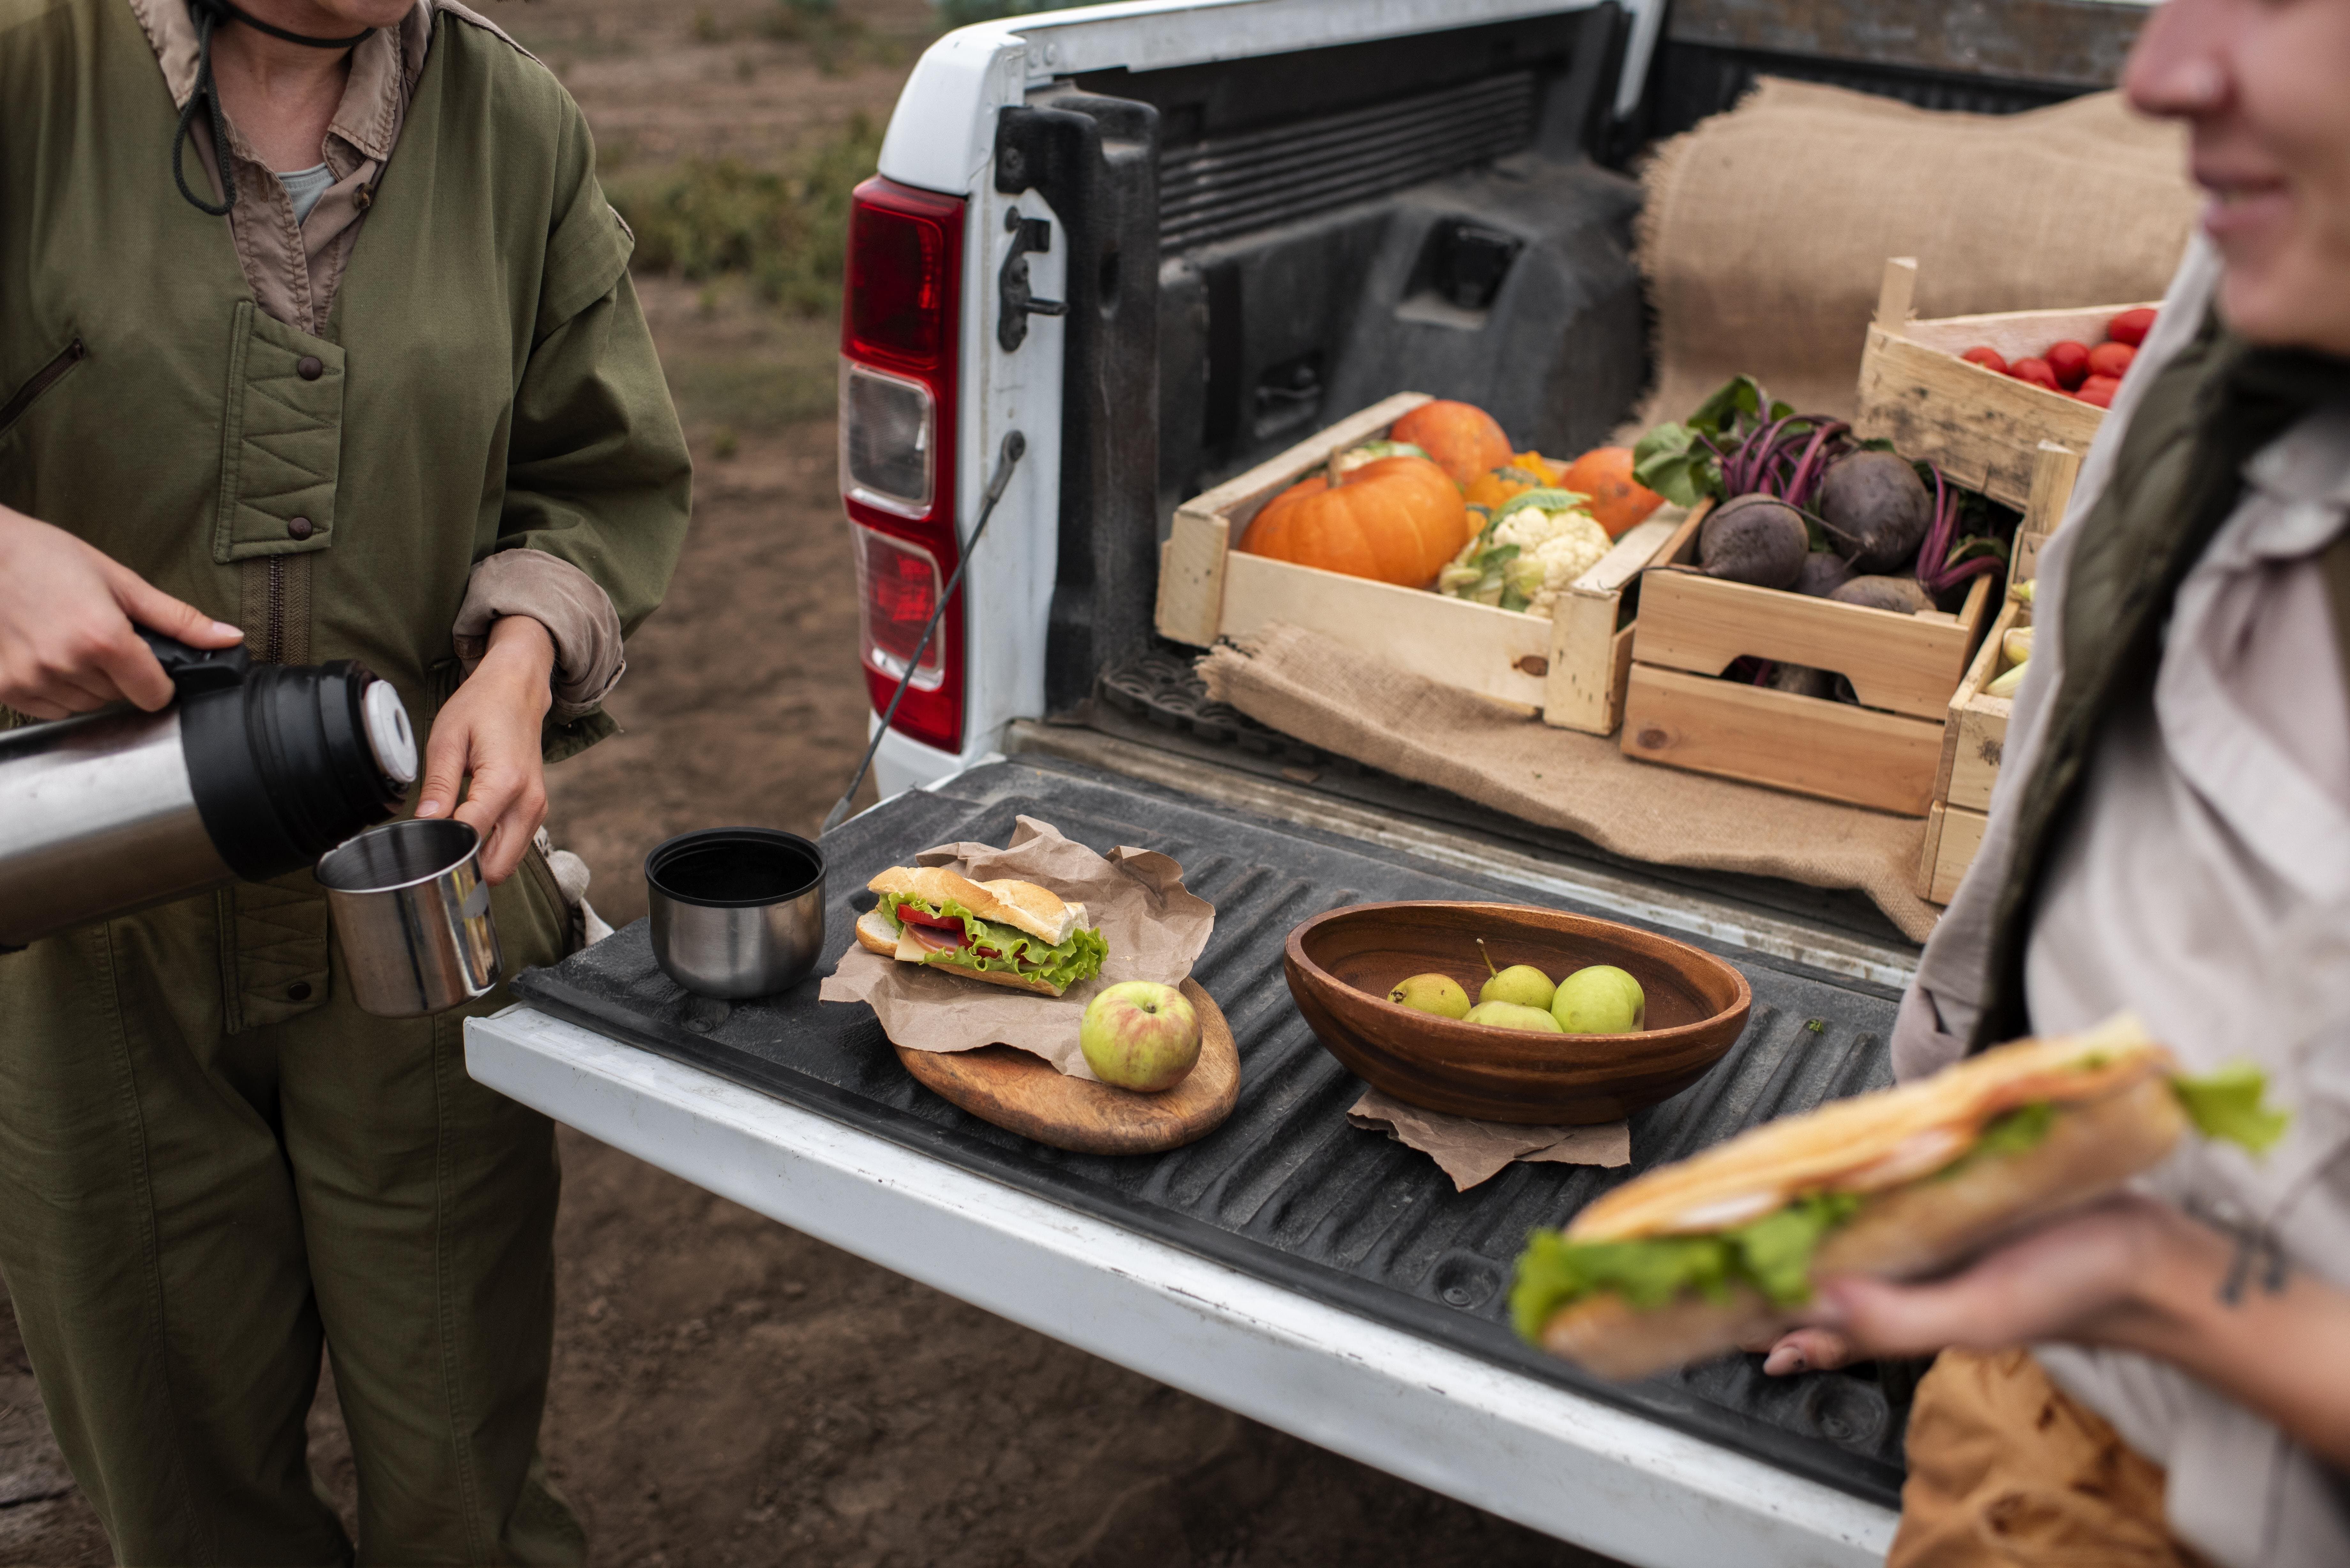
(1802,681)
(1875,511)
(1903,595)
(1824,573)
(1754,539)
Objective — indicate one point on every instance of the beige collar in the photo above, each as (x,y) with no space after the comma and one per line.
(384,70)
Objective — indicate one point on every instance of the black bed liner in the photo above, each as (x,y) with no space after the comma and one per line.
(1286,1190)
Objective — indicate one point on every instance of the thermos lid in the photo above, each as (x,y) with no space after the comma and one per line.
(388,733)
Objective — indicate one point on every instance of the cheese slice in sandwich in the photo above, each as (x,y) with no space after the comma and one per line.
(1695,1258)
(1005,932)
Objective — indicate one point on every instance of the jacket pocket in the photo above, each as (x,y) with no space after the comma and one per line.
(281,440)
(41,380)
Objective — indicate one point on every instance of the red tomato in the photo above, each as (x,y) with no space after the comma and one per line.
(1988,359)
(2099,389)
(2111,360)
(2070,361)
(2035,371)
(2131,326)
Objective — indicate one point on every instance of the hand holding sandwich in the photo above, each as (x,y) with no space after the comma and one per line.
(2134,1274)
(2014,1159)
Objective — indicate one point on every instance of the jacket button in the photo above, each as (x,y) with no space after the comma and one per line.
(300,528)
(309,367)
(298,992)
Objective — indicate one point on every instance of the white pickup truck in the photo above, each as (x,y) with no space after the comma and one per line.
(1162,240)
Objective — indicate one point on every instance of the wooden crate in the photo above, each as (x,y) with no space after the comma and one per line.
(1884,754)
(1570,668)
(1981,427)
(1974,731)
(1953,834)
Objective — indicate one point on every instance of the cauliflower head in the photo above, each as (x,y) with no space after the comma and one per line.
(1527,553)
(1558,542)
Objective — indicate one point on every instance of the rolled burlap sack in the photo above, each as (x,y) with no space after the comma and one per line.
(1766,230)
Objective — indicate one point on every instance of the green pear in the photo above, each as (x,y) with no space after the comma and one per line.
(1600,1000)
(1437,993)
(1521,983)
(1512,1016)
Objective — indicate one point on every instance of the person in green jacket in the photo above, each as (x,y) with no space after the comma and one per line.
(316,330)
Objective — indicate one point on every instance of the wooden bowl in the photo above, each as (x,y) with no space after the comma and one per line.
(1341,965)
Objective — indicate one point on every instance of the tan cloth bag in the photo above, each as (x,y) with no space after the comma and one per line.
(2006,1470)
(1765,230)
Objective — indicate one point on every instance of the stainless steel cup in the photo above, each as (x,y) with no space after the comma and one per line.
(413,915)
(737,911)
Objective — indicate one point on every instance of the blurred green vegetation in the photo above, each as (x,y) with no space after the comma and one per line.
(784,230)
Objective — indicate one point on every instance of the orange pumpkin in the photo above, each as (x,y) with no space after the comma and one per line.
(1617,500)
(1461,440)
(1527,470)
(1398,520)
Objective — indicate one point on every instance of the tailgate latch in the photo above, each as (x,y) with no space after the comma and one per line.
(1016,301)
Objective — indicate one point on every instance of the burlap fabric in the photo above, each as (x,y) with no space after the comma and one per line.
(1766,230)
(1306,685)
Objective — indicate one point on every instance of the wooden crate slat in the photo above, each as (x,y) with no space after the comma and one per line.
(1831,750)
(1924,880)
(1238,499)
(1495,653)
(1979,672)
(1191,579)
(1906,663)
(2016,334)
(1643,545)
(1979,426)
(1591,650)
(1976,730)
(1955,849)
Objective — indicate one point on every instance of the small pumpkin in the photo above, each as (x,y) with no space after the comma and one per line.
(1617,500)
(1526,470)
(1458,438)
(1394,519)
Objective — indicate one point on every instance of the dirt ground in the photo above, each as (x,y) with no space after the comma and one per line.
(727,1390)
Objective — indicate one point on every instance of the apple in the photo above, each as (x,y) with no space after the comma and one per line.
(1140,1034)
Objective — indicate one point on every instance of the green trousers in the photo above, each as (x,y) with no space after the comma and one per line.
(188,1213)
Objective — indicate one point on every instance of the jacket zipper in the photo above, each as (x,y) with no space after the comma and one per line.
(42,379)
(273,629)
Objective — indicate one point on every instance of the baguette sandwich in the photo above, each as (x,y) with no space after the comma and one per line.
(1005,933)
(1697,1258)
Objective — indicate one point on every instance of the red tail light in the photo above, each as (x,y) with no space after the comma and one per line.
(899,328)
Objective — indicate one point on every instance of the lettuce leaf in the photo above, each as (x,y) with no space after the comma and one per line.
(2226,1105)
(2013,1133)
(1079,958)
(1773,1255)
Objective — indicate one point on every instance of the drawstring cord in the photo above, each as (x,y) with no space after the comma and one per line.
(209,14)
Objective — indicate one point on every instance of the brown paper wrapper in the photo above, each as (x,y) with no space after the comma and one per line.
(1473,1151)
(1155,926)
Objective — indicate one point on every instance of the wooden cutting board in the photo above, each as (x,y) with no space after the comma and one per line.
(1025,1094)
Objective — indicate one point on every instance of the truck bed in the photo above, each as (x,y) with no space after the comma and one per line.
(1286,1191)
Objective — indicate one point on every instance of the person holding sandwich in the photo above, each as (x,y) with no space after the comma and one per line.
(2171,836)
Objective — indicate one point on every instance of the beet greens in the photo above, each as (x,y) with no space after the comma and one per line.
(1739,442)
